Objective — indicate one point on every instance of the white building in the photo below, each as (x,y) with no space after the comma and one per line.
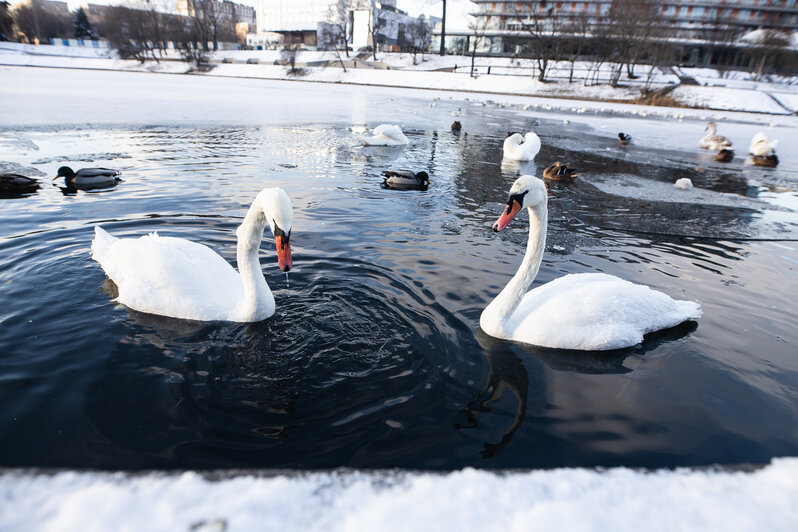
(296,20)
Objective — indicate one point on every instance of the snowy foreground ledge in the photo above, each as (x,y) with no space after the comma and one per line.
(561,500)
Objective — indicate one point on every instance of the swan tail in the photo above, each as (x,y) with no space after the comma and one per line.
(102,243)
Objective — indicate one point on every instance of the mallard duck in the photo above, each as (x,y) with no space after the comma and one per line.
(518,148)
(405,179)
(456,125)
(13,185)
(88,177)
(770,161)
(725,155)
(624,140)
(560,172)
(712,141)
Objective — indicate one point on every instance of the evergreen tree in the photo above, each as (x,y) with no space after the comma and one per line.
(83,29)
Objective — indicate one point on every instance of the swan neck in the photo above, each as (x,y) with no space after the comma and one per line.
(509,298)
(250,233)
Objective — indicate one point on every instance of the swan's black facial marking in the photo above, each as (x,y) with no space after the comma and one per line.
(516,197)
(279,232)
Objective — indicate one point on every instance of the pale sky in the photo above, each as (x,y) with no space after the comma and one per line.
(456,10)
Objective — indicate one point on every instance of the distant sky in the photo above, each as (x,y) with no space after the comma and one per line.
(456,10)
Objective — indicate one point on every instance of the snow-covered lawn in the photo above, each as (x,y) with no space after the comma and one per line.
(556,500)
(733,93)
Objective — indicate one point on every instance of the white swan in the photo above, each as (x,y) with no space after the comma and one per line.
(386,135)
(518,148)
(586,311)
(714,142)
(183,279)
(762,146)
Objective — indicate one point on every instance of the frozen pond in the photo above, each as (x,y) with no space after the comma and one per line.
(374,357)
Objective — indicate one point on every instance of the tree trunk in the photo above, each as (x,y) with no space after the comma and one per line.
(443,30)
(473,57)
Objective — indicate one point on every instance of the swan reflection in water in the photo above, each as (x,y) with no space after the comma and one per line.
(508,373)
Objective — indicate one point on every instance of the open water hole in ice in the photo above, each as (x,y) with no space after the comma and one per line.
(374,357)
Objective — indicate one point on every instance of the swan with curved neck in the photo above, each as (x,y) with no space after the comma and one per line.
(521,148)
(182,279)
(587,311)
(713,141)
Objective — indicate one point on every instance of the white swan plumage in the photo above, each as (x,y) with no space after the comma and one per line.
(586,311)
(182,279)
(713,141)
(386,135)
(518,148)
(762,146)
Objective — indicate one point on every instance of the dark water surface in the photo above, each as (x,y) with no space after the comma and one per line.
(374,358)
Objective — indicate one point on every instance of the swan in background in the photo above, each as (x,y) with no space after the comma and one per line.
(183,279)
(405,179)
(88,177)
(13,185)
(560,172)
(762,146)
(712,141)
(386,135)
(586,311)
(518,148)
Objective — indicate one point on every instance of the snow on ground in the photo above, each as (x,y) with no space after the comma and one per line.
(745,96)
(566,499)
(728,99)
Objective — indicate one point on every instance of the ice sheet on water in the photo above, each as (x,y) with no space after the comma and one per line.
(16,168)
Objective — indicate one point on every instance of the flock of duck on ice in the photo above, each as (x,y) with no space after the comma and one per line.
(587,311)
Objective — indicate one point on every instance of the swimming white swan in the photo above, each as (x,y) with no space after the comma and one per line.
(518,148)
(386,135)
(586,311)
(762,146)
(714,142)
(183,279)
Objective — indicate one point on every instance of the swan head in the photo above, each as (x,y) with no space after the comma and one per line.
(513,139)
(711,125)
(280,217)
(527,191)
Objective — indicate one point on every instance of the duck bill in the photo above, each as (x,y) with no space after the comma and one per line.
(509,213)
(284,260)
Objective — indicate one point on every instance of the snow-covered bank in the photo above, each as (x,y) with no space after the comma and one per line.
(568,499)
(435,73)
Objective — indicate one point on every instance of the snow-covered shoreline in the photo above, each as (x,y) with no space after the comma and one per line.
(435,73)
(561,499)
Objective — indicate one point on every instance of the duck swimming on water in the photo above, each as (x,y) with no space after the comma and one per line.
(405,179)
(88,177)
(560,172)
(13,185)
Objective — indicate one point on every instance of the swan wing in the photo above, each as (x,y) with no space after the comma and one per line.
(169,276)
(531,145)
(595,311)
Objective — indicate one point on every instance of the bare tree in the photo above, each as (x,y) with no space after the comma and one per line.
(417,37)
(477,25)
(577,39)
(288,57)
(376,24)
(632,25)
(338,19)
(211,22)
(542,25)
(330,38)
(38,24)
(768,45)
